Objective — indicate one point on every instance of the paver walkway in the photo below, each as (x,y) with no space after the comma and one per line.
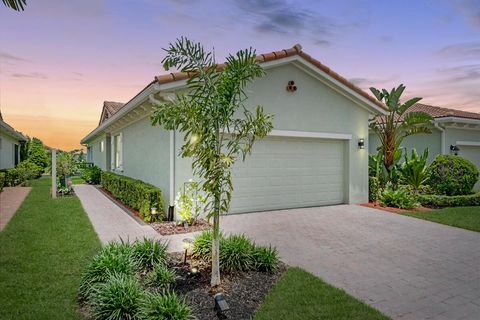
(10,200)
(112,223)
(405,267)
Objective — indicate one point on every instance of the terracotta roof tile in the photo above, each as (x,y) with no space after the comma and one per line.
(109,109)
(270,56)
(438,112)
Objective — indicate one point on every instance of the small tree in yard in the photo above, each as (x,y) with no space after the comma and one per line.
(217,125)
(392,128)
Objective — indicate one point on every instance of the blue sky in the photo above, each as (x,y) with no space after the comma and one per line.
(60,59)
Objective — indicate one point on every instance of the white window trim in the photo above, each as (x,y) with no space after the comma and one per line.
(115,166)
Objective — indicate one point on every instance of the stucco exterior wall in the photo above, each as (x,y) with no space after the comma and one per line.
(99,156)
(7,151)
(420,142)
(146,154)
(314,107)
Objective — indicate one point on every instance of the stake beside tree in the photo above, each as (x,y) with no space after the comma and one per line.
(217,125)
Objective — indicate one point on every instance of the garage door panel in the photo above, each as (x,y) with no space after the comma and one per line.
(288,173)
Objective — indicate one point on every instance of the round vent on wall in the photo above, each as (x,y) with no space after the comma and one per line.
(291,87)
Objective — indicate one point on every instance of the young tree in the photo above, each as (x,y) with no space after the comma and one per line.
(392,128)
(37,153)
(217,125)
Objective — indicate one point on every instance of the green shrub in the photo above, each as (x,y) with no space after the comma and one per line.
(150,252)
(414,170)
(2,180)
(373,188)
(398,198)
(113,258)
(440,201)
(161,276)
(236,253)
(452,175)
(167,306)
(118,298)
(202,245)
(92,175)
(13,177)
(265,258)
(136,194)
(29,170)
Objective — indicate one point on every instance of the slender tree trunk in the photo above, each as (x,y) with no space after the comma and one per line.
(215,280)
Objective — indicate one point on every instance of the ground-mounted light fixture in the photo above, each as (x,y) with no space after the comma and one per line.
(454,149)
(187,244)
(221,305)
(153,211)
(361,143)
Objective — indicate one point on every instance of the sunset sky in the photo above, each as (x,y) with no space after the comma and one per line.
(59,60)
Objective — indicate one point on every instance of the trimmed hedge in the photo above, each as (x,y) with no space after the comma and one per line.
(136,194)
(452,175)
(2,180)
(92,175)
(437,201)
(373,188)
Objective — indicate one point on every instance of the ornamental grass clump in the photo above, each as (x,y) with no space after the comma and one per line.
(161,276)
(236,253)
(116,299)
(265,258)
(150,252)
(167,306)
(202,245)
(113,258)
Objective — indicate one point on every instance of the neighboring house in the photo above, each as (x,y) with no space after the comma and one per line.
(454,131)
(10,141)
(314,156)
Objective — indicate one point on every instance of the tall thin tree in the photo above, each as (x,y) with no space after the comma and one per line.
(217,125)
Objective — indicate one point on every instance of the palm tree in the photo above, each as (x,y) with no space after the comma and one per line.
(18,5)
(392,128)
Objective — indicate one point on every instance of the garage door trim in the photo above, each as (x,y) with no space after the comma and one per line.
(306,134)
(468,143)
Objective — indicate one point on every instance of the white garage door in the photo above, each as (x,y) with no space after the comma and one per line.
(286,173)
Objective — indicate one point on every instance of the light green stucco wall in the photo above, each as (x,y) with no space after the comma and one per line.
(99,157)
(146,154)
(7,151)
(314,107)
(420,142)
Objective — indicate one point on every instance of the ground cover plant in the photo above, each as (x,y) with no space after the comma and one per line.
(461,217)
(43,250)
(299,295)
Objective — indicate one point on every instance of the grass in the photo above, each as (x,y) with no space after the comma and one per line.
(43,250)
(461,217)
(77,180)
(300,295)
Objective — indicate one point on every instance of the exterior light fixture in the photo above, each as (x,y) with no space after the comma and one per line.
(153,210)
(221,305)
(361,143)
(187,244)
(454,149)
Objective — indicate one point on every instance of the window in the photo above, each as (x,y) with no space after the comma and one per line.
(16,154)
(102,145)
(0,143)
(118,152)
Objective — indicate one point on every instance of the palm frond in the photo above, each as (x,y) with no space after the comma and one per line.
(405,106)
(17,5)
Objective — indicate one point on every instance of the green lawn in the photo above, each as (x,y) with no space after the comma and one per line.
(42,252)
(77,180)
(461,217)
(300,295)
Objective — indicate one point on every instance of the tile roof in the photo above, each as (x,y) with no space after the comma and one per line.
(438,112)
(275,55)
(109,109)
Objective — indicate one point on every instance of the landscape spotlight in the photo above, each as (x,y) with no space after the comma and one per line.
(187,244)
(221,304)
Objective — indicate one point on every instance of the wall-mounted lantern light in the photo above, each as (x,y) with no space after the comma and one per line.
(361,143)
(454,149)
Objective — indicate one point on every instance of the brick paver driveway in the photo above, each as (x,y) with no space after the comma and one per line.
(405,267)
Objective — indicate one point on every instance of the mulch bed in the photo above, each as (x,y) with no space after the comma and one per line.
(243,291)
(171,227)
(376,205)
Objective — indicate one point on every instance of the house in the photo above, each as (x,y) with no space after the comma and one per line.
(454,132)
(314,156)
(10,141)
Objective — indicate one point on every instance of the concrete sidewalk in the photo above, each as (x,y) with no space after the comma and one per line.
(10,200)
(112,223)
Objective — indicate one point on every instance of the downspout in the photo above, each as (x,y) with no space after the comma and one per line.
(442,131)
(172,176)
